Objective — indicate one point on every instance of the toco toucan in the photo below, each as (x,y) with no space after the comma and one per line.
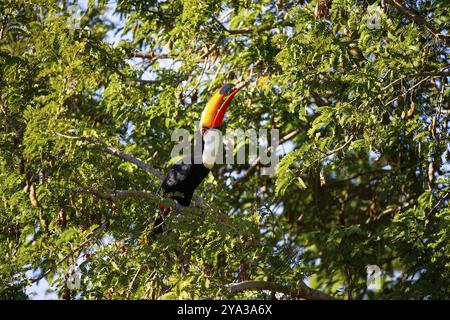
(185,176)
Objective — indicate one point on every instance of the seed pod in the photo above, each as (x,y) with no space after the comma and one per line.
(42,221)
(432,126)
(26,189)
(322,8)
(356,53)
(411,109)
(194,97)
(65,292)
(61,219)
(431,172)
(170,45)
(373,208)
(322,178)
(214,56)
(33,198)
(403,114)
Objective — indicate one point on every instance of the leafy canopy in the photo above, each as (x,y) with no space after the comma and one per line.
(365,111)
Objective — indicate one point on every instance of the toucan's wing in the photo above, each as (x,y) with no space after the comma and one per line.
(177,174)
(182,180)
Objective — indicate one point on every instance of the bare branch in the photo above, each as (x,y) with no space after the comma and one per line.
(156,56)
(300,291)
(132,281)
(208,51)
(318,99)
(409,90)
(241,31)
(121,194)
(153,56)
(140,164)
(338,149)
(135,161)
(68,136)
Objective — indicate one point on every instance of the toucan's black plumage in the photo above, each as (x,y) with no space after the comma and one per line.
(182,180)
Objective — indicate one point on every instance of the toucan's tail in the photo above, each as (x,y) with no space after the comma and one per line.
(158,225)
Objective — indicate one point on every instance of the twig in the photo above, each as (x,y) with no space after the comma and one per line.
(68,137)
(208,51)
(205,64)
(215,76)
(121,194)
(437,204)
(243,30)
(440,73)
(88,239)
(300,290)
(153,56)
(410,89)
(132,281)
(250,170)
(334,151)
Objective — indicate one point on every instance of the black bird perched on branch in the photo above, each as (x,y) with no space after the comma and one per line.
(185,176)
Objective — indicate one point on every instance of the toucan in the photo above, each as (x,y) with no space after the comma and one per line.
(185,176)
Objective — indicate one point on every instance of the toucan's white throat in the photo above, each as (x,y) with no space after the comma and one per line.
(212,140)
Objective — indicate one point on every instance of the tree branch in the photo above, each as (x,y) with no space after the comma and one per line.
(413,16)
(334,151)
(135,161)
(140,164)
(121,194)
(153,56)
(147,168)
(241,31)
(301,291)
(318,99)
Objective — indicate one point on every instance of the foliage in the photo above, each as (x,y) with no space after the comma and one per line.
(367,181)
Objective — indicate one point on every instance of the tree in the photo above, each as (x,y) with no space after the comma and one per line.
(358,89)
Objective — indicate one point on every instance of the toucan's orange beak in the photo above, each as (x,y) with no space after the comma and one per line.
(214,111)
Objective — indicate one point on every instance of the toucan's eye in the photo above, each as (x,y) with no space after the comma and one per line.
(226,88)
